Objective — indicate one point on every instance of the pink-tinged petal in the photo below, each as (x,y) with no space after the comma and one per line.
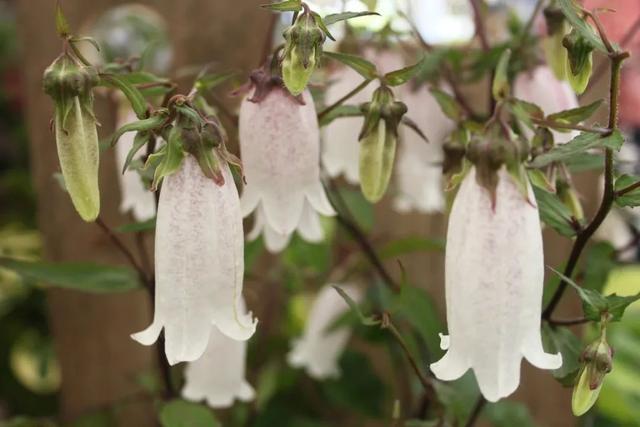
(318,350)
(218,376)
(494,269)
(310,228)
(317,198)
(540,86)
(199,264)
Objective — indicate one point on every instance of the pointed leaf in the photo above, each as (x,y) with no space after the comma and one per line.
(579,145)
(569,345)
(576,115)
(631,198)
(337,17)
(365,68)
(554,213)
(62,25)
(594,304)
(341,111)
(284,6)
(365,320)
(135,97)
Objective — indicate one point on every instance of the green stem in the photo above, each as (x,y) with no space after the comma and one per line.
(344,99)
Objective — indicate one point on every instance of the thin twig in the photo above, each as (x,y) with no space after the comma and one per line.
(477,410)
(344,99)
(345,219)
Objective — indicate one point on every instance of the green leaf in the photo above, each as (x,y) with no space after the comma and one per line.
(145,125)
(365,320)
(616,305)
(212,80)
(180,413)
(363,67)
(341,111)
(135,97)
(631,198)
(337,17)
(140,140)
(508,414)
(62,25)
(501,88)
(168,159)
(359,207)
(594,304)
(399,77)
(525,111)
(571,12)
(575,115)
(284,6)
(448,104)
(600,260)
(138,227)
(160,85)
(86,277)
(554,213)
(569,345)
(410,245)
(579,145)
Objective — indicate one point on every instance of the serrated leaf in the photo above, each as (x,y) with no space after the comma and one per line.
(337,17)
(448,104)
(553,212)
(570,12)
(575,115)
(137,227)
(62,25)
(569,345)
(365,320)
(631,198)
(86,277)
(180,413)
(363,67)
(579,145)
(284,6)
(135,97)
(341,111)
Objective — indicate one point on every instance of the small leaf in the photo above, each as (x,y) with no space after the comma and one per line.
(337,17)
(399,77)
(501,88)
(139,141)
(593,303)
(341,111)
(576,115)
(144,125)
(616,305)
(525,111)
(180,413)
(365,68)
(569,345)
(570,12)
(86,277)
(554,213)
(631,198)
(365,320)
(579,145)
(135,97)
(212,80)
(168,159)
(62,25)
(284,6)
(448,104)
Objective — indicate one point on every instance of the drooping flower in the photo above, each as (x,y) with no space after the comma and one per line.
(319,349)
(494,270)
(280,146)
(218,377)
(341,150)
(199,263)
(419,182)
(540,86)
(70,84)
(135,197)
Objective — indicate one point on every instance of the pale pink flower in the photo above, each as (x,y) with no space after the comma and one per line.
(494,269)
(199,258)
(280,146)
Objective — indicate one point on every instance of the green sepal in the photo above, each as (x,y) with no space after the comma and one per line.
(140,140)
(168,160)
(145,125)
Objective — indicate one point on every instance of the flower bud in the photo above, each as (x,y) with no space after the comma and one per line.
(597,361)
(69,84)
(378,140)
(303,48)
(579,60)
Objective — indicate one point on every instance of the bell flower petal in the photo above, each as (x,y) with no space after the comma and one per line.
(318,350)
(218,377)
(541,87)
(199,264)
(135,197)
(494,269)
(280,145)
(419,183)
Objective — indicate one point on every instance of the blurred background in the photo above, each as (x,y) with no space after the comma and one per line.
(66,357)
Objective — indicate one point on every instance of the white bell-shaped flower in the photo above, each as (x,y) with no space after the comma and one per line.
(341,151)
(199,258)
(218,377)
(135,197)
(280,146)
(319,349)
(419,183)
(541,87)
(494,269)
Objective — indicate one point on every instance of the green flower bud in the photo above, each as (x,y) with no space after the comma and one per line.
(597,361)
(579,60)
(303,49)
(378,142)
(69,84)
